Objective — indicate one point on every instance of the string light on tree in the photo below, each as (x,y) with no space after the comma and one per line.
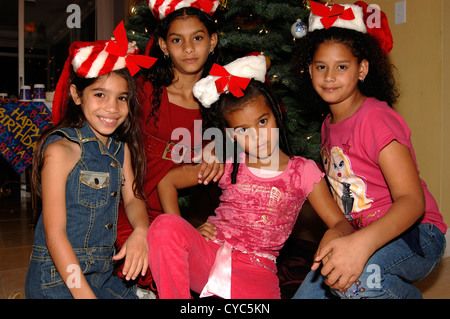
(306,5)
(132,8)
(223,5)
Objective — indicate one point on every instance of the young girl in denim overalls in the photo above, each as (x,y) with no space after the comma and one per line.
(82,168)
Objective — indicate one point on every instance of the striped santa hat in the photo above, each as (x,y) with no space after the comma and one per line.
(93,59)
(90,59)
(162,8)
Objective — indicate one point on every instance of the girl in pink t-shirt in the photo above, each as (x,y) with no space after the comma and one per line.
(369,161)
(264,186)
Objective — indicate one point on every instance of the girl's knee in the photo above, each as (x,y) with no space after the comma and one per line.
(166,227)
(166,221)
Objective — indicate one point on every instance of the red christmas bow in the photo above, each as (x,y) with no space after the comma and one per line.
(235,83)
(120,48)
(330,15)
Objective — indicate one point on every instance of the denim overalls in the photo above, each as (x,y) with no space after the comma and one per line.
(92,200)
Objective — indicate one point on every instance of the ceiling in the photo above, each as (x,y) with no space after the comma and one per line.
(49,17)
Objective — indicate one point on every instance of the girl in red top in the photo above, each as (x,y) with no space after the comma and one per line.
(185,44)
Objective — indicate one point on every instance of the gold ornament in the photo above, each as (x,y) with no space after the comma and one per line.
(223,5)
(132,8)
(306,5)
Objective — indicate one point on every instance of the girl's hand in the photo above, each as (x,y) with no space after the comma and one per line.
(210,168)
(135,251)
(208,231)
(343,261)
(329,236)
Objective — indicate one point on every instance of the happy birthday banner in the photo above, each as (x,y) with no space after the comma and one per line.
(21,124)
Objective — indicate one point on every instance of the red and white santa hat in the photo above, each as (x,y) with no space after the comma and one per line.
(354,17)
(93,59)
(162,8)
(232,78)
(90,59)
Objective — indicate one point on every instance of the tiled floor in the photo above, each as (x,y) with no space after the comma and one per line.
(16,241)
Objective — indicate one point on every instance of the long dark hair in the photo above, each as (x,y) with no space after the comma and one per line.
(128,132)
(161,73)
(379,83)
(215,116)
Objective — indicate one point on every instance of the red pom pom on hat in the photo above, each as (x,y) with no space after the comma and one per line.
(380,30)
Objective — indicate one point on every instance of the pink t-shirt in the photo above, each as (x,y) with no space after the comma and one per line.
(350,151)
(256,215)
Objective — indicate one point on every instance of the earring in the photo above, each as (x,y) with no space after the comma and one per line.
(361,80)
(167,56)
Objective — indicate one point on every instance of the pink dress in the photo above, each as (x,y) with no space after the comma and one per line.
(254,219)
(256,214)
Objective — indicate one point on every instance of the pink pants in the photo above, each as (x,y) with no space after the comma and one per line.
(181,259)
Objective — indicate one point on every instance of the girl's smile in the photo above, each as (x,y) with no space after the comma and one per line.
(335,73)
(104,104)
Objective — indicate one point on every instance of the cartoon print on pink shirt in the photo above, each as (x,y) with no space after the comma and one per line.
(348,189)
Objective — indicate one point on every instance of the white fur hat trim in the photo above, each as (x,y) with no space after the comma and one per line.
(251,67)
(357,24)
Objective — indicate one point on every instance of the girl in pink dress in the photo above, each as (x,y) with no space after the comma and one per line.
(233,255)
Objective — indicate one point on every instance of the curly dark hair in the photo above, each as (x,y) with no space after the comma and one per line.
(379,83)
(216,116)
(161,73)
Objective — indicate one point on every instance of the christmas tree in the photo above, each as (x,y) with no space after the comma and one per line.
(266,26)
(141,24)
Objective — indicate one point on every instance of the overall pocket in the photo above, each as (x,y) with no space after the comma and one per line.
(93,188)
(53,286)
